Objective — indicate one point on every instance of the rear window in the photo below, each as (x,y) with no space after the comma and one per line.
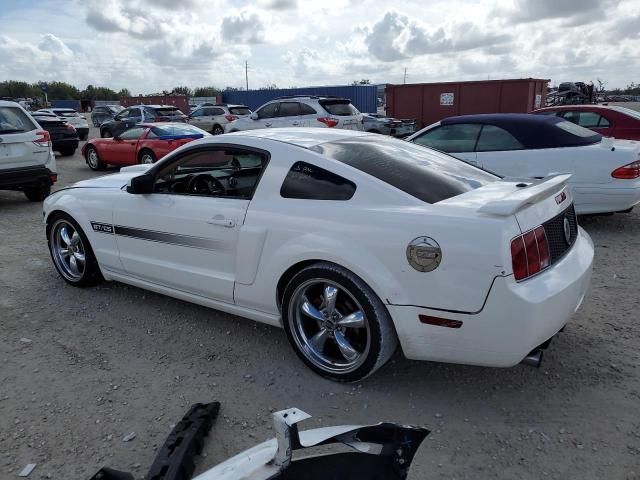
(66,113)
(115,109)
(239,111)
(423,173)
(14,120)
(168,112)
(577,130)
(340,108)
(176,130)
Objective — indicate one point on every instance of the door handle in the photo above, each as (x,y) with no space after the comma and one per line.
(267,124)
(295,124)
(223,222)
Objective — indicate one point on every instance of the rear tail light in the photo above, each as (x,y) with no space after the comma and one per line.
(627,172)
(230,118)
(53,177)
(43,140)
(328,121)
(530,253)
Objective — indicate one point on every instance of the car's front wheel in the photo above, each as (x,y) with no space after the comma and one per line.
(71,252)
(93,159)
(336,324)
(146,157)
(217,130)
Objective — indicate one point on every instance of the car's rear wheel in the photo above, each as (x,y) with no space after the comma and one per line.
(106,133)
(37,194)
(93,159)
(146,157)
(217,130)
(71,252)
(336,324)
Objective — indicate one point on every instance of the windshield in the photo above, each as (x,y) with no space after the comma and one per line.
(424,173)
(626,111)
(176,130)
(14,120)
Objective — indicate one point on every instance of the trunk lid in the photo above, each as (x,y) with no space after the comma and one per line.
(532,202)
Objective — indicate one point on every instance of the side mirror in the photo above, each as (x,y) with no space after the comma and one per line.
(253,116)
(141,184)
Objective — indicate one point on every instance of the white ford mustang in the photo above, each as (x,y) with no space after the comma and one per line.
(350,241)
(605,173)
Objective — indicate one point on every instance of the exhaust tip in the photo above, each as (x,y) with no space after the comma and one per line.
(534,359)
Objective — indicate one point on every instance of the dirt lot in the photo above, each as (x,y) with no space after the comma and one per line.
(81,369)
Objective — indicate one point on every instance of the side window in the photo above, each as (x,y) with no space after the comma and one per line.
(216,111)
(132,134)
(307,109)
(198,113)
(455,138)
(603,123)
(123,115)
(268,111)
(217,172)
(289,109)
(308,182)
(495,139)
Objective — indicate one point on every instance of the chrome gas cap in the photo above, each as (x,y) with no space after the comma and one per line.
(424,254)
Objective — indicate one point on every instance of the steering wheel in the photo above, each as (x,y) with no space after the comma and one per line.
(205,184)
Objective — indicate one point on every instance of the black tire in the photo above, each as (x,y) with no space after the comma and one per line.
(217,130)
(37,194)
(106,133)
(379,333)
(373,130)
(91,274)
(84,136)
(94,164)
(144,155)
(67,152)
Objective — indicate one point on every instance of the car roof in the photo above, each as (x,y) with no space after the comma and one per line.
(163,124)
(532,131)
(302,137)
(153,106)
(7,103)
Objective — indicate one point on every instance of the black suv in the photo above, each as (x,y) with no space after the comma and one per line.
(104,113)
(141,114)
(64,137)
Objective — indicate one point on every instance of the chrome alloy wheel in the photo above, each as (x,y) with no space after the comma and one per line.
(68,250)
(92,159)
(329,326)
(146,159)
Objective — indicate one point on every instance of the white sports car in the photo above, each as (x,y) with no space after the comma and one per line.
(350,241)
(605,173)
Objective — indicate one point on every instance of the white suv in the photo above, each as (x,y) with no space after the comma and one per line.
(72,117)
(214,118)
(302,111)
(27,162)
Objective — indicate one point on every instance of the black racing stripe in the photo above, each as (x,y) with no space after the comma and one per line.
(170,238)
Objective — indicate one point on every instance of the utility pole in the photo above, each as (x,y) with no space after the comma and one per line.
(405,75)
(246,73)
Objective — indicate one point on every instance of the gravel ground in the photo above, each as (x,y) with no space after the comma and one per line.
(81,369)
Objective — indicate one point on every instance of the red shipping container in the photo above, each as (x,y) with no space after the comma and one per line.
(431,102)
(180,101)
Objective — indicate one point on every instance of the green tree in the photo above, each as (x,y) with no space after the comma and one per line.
(364,81)
(205,92)
(183,90)
(18,89)
(62,91)
(124,93)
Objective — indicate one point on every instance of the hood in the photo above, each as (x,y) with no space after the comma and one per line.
(115,180)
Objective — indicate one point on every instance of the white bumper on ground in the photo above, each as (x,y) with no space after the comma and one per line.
(606,198)
(516,317)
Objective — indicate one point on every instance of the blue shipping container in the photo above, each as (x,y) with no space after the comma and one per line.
(363,97)
(75,104)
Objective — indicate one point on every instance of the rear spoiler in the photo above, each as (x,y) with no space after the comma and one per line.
(534,192)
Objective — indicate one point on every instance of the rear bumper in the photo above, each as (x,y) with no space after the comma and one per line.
(606,198)
(24,177)
(82,131)
(65,143)
(516,318)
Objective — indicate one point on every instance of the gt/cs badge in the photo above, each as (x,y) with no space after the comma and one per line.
(561,197)
(424,254)
(102,227)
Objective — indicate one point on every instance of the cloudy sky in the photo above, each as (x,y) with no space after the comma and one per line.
(151,45)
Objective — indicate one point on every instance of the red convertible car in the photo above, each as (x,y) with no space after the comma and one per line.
(143,143)
(608,120)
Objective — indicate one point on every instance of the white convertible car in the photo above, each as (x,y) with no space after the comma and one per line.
(350,241)
(605,173)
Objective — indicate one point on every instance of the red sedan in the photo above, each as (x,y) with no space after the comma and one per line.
(608,120)
(143,143)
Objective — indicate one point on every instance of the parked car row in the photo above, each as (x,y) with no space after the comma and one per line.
(131,116)
(70,116)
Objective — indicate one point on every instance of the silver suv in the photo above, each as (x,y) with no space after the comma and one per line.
(302,111)
(27,162)
(213,118)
